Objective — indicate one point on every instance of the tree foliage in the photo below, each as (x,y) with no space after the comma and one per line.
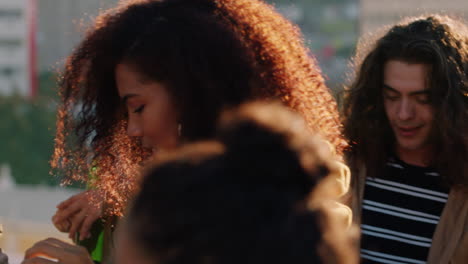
(27,129)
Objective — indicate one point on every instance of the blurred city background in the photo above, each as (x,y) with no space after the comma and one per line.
(37,35)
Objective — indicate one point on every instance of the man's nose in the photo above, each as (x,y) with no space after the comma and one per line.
(405,110)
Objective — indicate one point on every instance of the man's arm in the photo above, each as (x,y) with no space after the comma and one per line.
(3,258)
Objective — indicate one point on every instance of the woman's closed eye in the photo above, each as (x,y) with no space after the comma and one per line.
(139,109)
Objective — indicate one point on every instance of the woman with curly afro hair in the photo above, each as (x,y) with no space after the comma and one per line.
(150,75)
(253,194)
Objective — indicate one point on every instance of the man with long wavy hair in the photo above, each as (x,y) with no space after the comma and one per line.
(405,117)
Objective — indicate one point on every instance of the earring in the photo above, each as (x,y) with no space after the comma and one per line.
(179,129)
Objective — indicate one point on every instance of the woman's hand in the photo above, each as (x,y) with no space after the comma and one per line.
(46,251)
(78,213)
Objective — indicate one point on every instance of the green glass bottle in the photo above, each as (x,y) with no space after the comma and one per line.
(94,244)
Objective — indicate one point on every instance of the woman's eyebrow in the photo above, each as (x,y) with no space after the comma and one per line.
(126,97)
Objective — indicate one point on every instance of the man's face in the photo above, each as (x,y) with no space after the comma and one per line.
(407,104)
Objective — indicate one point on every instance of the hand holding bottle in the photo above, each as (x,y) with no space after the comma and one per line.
(78,213)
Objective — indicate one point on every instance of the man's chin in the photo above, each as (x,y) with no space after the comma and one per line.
(411,145)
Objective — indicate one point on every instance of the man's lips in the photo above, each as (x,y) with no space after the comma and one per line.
(408,131)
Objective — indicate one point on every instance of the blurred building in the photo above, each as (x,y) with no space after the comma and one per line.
(14,49)
(329,27)
(330,30)
(37,35)
(61,25)
(375,14)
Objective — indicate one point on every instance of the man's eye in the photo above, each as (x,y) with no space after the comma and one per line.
(139,109)
(423,99)
(390,97)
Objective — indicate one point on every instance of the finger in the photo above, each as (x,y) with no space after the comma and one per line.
(58,243)
(38,260)
(76,223)
(44,248)
(70,210)
(57,218)
(86,226)
(69,201)
(63,226)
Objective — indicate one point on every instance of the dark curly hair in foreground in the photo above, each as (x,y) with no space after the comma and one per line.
(212,54)
(439,41)
(252,196)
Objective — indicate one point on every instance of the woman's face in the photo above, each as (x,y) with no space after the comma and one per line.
(151,113)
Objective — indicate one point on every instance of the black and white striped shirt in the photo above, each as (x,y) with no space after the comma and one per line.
(400,212)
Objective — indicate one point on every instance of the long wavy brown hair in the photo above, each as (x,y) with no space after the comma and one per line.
(439,41)
(212,54)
